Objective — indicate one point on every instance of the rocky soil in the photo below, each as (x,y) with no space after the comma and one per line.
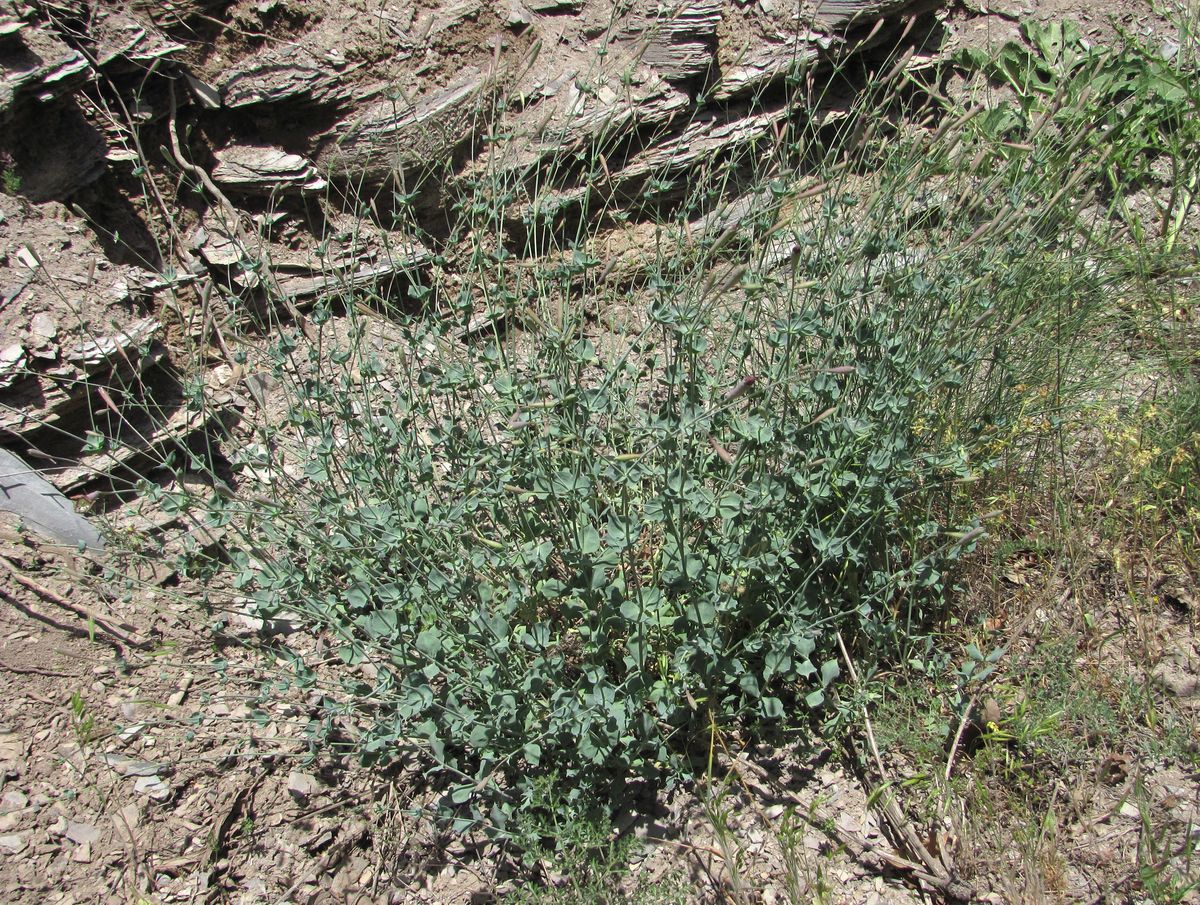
(170,166)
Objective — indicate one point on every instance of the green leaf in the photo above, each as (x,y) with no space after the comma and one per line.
(623,530)
(382,624)
(589,540)
(829,671)
(775,663)
(772,708)
(815,699)
(749,684)
(754,430)
(429,642)
(703,611)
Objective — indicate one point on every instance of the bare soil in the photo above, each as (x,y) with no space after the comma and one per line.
(139,761)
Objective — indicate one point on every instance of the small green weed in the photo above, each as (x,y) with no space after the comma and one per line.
(578,858)
(1168,865)
(82,720)
(1138,104)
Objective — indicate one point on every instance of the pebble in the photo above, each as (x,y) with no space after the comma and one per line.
(14,843)
(303,785)
(82,833)
(154,787)
(126,820)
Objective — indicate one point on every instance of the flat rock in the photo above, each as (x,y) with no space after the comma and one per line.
(303,786)
(129,766)
(392,136)
(125,42)
(292,76)
(257,169)
(622,97)
(156,788)
(105,349)
(678,41)
(38,504)
(1174,679)
(81,833)
(36,67)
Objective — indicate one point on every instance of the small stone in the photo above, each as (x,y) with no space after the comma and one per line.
(14,843)
(81,833)
(14,800)
(184,684)
(82,853)
(1129,809)
(154,787)
(26,256)
(42,329)
(126,820)
(302,786)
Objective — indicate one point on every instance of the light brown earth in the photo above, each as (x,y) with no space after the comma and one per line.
(135,762)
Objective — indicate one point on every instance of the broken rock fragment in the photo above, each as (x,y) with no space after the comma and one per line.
(37,66)
(39,505)
(264,170)
(293,76)
(677,40)
(394,134)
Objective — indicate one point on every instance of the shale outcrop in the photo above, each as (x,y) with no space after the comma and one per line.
(166,163)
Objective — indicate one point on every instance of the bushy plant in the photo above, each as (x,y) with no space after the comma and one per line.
(570,548)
